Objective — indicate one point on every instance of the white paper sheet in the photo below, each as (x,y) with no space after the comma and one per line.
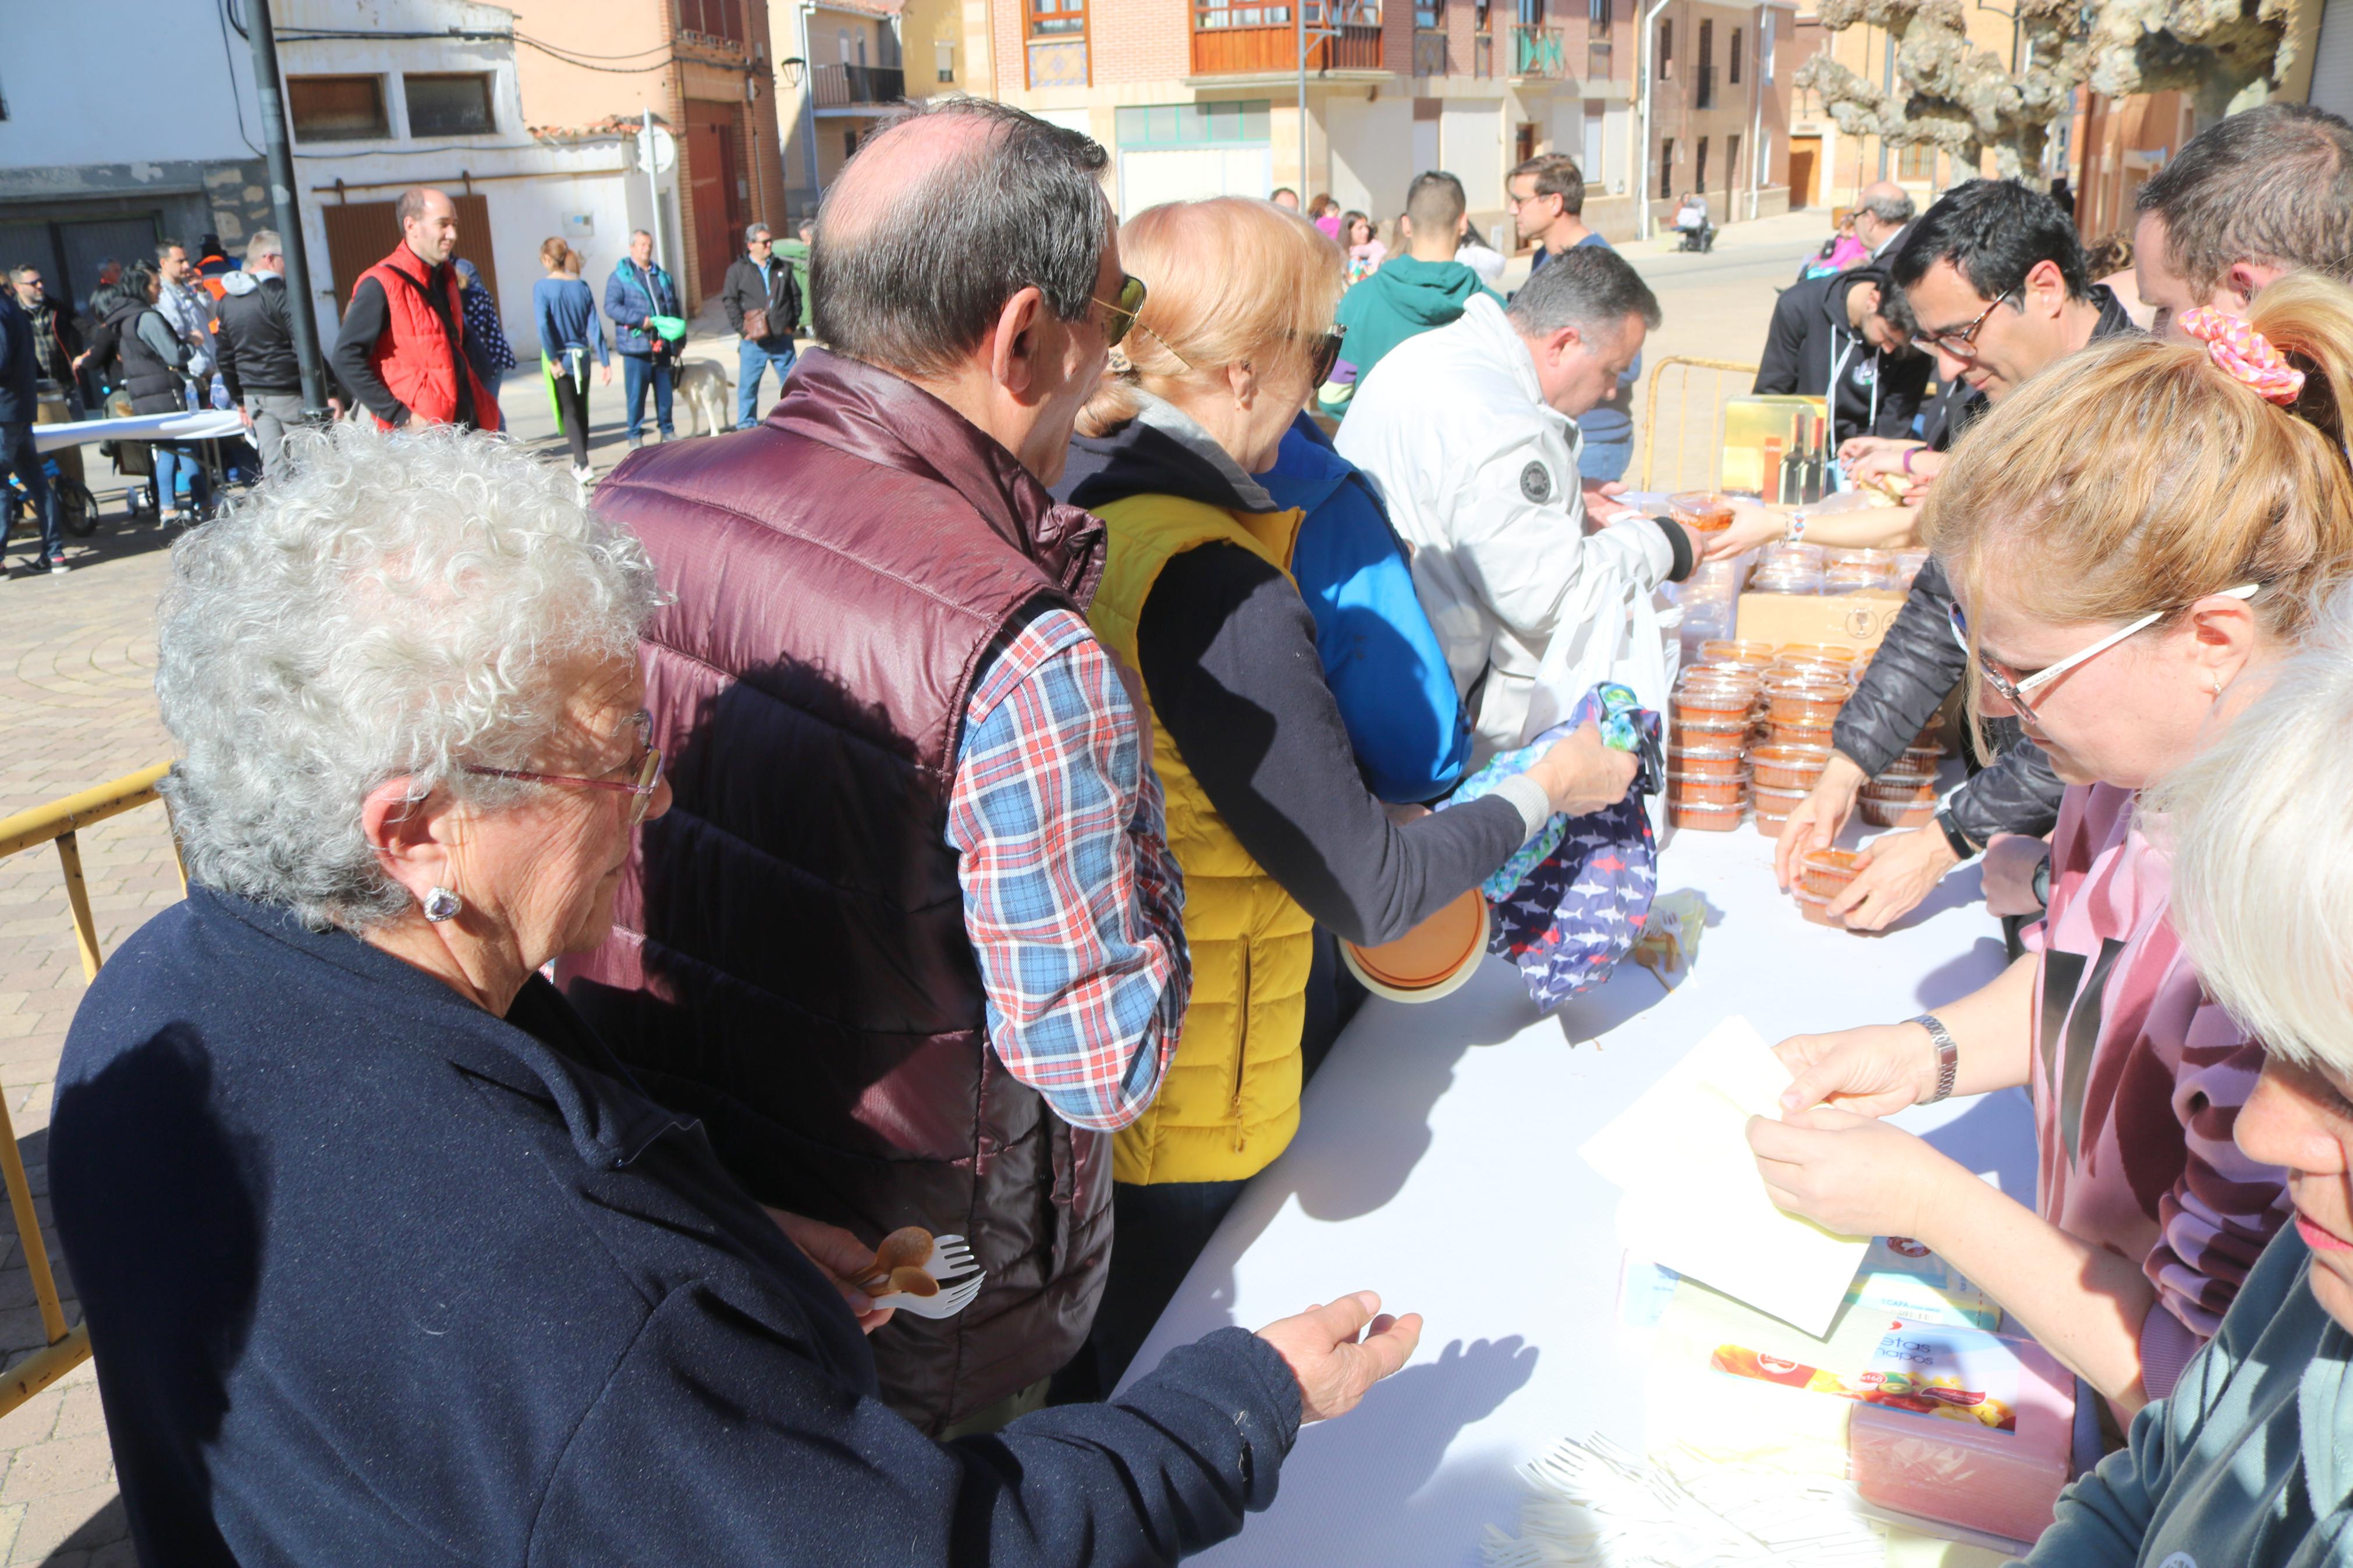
(1694,1201)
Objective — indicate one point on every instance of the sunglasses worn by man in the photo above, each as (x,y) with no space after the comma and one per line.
(2013,687)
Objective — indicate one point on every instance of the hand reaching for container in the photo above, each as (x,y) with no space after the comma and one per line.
(1753,526)
(1334,1364)
(1581,776)
(1895,872)
(1816,822)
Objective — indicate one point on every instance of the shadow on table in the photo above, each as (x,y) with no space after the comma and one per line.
(1960,974)
(1380,1460)
(1996,1134)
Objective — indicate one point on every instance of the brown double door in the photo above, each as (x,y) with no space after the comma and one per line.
(715,177)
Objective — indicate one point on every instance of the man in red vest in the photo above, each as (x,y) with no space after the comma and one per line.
(403,348)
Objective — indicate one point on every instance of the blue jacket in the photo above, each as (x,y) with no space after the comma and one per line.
(567,314)
(631,297)
(20,365)
(381,1278)
(1380,657)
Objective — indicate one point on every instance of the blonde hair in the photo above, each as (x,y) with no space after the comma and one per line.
(552,253)
(2262,850)
(2135,476)
(1227,280)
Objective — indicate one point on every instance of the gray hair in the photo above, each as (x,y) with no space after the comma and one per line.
(753,231)
(913,279)
(2263,852)
(265,243)
(2272,184)
(392,607)
(1891,207)
(1588,287)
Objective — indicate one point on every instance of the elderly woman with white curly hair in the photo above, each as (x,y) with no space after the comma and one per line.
(2249,1460)
(384,1257)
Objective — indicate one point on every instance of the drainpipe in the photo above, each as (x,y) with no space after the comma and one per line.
(1644,46)
(808,100)
(1757,110)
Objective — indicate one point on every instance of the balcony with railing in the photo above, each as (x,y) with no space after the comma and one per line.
(1540,51)
(849,87)
(1431,56)
(1482,55)
(1250,40)
(1703,87)
(1599,59)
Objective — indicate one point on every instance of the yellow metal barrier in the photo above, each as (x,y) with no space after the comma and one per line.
(57,823)
(1692,441)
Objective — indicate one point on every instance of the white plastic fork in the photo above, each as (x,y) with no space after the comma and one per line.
(950,1257)
(946,1304)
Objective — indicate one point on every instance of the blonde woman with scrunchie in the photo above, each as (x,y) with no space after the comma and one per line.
(2135,538)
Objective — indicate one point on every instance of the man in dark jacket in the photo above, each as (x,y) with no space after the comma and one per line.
(763,301)
(1994,276)
(910,943)
(639,290)
(20,404)
(1831,331)
(257,346)
(57,341)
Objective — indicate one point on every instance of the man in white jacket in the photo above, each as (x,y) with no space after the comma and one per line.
(1471,433)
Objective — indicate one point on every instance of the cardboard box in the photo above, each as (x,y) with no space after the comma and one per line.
(1856,620)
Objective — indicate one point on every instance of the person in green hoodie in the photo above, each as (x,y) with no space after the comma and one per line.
(1424,288)
(796,252)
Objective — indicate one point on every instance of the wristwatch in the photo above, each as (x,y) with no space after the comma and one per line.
(2042,880)
(1948,1055)
(1963,849)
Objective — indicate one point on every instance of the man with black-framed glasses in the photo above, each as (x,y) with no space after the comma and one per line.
(1994,284)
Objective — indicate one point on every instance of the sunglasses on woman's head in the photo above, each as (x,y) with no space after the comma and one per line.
(1118,317)
(1327,354)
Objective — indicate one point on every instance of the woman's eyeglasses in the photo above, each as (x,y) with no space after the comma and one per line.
(1118,317)
(2014,688)
(648,772)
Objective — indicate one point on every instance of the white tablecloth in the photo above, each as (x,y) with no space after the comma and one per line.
(210,424)
(1436,1163)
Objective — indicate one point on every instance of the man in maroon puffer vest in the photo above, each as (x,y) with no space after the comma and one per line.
(908,942)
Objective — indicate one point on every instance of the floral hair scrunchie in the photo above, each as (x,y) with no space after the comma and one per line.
(2244,354)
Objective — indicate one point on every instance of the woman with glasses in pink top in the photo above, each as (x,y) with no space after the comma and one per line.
(2134,538)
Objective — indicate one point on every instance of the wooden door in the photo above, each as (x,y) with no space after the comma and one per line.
(713,160)
(1805,151)
(361,233)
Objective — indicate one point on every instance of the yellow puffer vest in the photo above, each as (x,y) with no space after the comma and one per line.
(1230,1101)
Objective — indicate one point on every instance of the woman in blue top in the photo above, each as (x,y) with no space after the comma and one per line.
(569,327)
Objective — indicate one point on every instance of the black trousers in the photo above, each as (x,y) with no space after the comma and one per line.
(572,411)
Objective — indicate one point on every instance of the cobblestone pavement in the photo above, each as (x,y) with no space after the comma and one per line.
(76,707)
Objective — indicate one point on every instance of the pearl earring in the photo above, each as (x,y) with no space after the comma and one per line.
(441,904)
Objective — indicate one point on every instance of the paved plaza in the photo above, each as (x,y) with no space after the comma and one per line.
(76,707)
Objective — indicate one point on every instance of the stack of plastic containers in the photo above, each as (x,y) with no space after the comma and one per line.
(1790,568)
(1707,766)
(1851,570)
(1905,794)
(1821,877)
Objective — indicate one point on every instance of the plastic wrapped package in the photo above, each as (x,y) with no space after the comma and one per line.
(2001,1479)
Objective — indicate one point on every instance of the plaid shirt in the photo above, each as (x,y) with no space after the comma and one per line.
(1072,898)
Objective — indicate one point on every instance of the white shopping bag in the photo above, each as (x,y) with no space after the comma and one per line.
(1624,639)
